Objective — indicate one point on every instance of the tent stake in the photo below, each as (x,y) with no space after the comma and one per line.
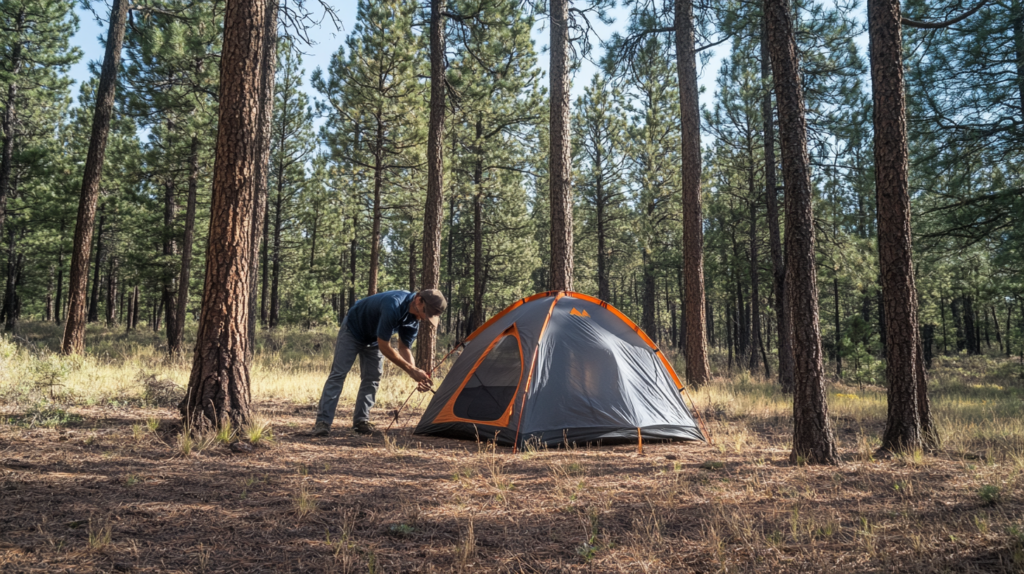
(639,441)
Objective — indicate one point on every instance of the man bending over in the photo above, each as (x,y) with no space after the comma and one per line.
(366,332)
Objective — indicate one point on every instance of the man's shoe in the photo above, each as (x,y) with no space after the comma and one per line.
(364,427)
(321,429)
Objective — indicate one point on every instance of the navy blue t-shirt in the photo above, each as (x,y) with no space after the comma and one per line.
(381,315)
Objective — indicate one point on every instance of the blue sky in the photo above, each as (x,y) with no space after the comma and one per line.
(327,39)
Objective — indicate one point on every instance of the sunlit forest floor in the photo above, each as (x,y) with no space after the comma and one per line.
(96,475)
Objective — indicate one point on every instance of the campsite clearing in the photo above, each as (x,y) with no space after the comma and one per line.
(95,488)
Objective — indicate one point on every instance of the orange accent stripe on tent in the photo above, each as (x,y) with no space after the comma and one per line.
(506,311)
(447,414)
(533,365)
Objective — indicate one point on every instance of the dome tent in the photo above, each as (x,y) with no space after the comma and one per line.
(560,367)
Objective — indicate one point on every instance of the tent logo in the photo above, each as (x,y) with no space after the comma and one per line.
(578,314)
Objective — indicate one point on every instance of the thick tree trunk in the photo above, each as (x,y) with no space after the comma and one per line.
(904,428)
(560,160)
(433,212)
(219,387)
(813,437)
(94,297)
(785,328)
(74,330)
(378,181)
(698,372)
(175,344)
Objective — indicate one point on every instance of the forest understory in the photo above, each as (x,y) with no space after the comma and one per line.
(96,475)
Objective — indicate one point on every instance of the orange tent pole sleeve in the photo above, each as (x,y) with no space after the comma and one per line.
(533,365)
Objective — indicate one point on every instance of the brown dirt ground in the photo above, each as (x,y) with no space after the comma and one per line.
(416,504)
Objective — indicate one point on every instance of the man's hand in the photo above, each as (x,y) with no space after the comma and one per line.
(422,378)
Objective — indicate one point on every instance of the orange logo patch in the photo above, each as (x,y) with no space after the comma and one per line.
(578,314)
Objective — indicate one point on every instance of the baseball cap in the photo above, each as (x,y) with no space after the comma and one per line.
(435,304)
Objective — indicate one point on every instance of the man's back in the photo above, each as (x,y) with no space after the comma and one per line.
(381,315)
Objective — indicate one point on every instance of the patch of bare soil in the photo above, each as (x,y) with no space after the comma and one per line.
(106,494)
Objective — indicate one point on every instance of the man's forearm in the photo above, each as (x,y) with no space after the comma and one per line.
(406,364)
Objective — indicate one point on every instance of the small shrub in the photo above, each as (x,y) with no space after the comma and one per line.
(401,530)
(989,494)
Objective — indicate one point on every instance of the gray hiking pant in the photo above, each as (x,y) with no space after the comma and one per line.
(371,363)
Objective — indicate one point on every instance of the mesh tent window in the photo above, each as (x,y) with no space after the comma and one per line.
(490,388)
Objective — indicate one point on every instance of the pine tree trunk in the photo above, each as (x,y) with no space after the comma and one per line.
(560,160)
(265,269)
(648,321)
(268,68)
(112,271)
(785,328)
(219,387)
(903,429)
(129,320)
(7,157)
(378,181)
(352,265)
(682,308)
(838,327)
(168,295)
(995,324)
(186,250)
(94,298)
(970,329)
(74,330)
(755,303)
(1017,13)
(433,212)
(476,319)
(602,255)
(698,372)
(58,307)
(275,260)
(958,323)
(813,438)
